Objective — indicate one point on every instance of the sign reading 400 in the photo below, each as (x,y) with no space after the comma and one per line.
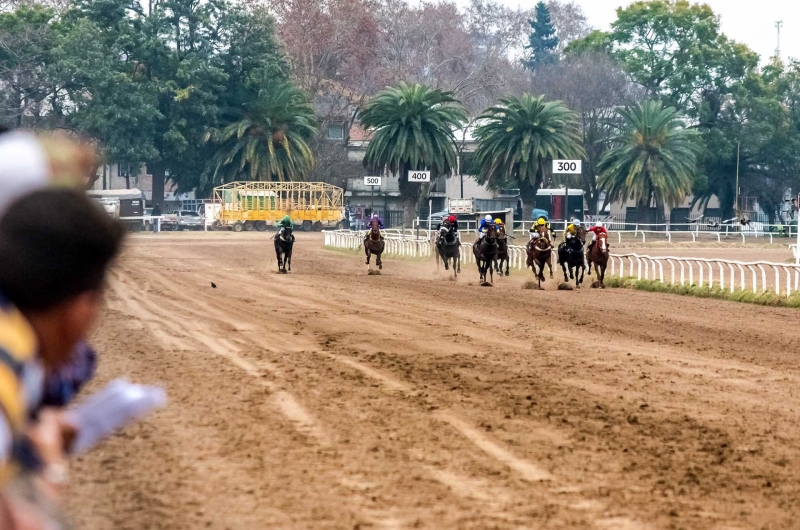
(419,176)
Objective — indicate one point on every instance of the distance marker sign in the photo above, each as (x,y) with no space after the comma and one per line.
(570,167)
(419,176)
(372,181)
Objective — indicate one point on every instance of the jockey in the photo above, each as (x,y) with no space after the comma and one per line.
(572,229)
(541,220)
(485,223)
(596,230)
(499,224)
(449,224)
(534,230)
(369,225)
(284,223)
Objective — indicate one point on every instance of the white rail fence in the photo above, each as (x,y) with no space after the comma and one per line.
(758,276)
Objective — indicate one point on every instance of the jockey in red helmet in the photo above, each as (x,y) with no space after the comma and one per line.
(596,230)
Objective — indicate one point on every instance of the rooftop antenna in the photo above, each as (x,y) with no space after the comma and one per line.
(778,26)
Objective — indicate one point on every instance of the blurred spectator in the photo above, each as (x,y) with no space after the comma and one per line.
(55,248)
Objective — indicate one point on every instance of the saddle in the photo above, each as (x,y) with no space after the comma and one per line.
(574,245)
(448,237)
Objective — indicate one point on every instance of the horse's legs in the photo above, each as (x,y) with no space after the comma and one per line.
(602,274)
(564,268)
(289,260)
(366,252)
(549,265)
(589,262)
(507,262)
(378,261)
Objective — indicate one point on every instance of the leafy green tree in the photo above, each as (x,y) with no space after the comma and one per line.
(595,42)
(412,129)
(26,41)
(101,97)
(269,142)
(653,158)
(518,137)
(542,41)
(676,51)
(764,117)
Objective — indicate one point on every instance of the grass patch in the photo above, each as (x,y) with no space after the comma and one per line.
(747,297)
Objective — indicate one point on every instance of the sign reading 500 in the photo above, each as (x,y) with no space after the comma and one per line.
(419,176)
(372,181)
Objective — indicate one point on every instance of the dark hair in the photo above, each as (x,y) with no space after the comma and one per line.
(54,245)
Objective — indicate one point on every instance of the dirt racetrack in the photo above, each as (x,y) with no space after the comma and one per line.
(327,398)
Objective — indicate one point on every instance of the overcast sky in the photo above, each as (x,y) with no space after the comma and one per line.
(751,22)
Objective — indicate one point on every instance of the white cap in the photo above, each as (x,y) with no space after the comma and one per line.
(577,222)
(598,223)
(488,218)
(24,167)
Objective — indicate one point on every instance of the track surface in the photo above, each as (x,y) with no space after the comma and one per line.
(331,399)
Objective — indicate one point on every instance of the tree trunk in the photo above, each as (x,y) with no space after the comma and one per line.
(409,212)
(159,172)
(642,209)
(93,176)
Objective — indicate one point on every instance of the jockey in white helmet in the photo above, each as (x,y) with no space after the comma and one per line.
(485,222)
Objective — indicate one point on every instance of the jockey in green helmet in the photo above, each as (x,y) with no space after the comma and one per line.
(284,223)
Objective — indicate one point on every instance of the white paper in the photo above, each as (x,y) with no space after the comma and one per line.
(116,405)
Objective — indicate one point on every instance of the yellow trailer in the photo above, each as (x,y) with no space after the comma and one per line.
(257,205)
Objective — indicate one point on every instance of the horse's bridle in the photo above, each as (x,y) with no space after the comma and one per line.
(541,239)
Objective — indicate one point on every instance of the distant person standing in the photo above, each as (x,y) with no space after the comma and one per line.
(156,221)
(358,216)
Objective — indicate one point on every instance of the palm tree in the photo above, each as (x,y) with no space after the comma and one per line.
(652,158)
(269,142)
(413,128)
(519,136)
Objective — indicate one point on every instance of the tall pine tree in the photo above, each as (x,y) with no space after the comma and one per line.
(542,41)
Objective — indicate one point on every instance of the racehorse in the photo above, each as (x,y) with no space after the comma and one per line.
(283,249)
(485,251)
(598,255)
(448,248)
(373,244)
(540,252)
(570,254)
(502,251)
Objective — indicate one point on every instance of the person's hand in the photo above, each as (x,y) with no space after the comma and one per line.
(47,437)
(52,437)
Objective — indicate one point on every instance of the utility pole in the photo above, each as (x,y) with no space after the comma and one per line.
(778,26)
(736,192)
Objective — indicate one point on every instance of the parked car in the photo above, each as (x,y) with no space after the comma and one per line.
(436,218)
(189,220)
